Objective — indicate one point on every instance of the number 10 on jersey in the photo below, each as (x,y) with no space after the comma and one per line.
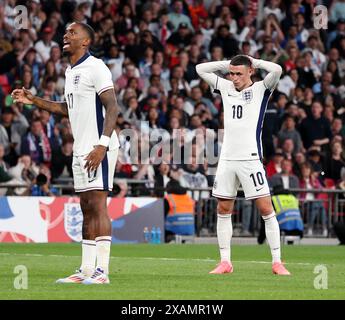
(237,112)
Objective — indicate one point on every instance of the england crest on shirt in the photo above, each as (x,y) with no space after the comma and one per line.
(76,80)
(247,95)
(73,221)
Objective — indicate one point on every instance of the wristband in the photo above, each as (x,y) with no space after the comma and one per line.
(104,141)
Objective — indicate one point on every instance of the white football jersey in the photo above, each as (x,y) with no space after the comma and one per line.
(244,113)
(244,110)
(85,81)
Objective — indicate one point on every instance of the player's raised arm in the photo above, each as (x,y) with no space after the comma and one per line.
(274,72)
(207,71)
(25,96)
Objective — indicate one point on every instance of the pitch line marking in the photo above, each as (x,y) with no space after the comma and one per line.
(150,258)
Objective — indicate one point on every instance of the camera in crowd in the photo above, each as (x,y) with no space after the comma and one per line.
(41,180)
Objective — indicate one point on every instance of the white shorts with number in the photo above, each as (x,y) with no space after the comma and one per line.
(101,179)
(231,174)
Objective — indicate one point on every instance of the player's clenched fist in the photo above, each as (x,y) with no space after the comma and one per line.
(22,95)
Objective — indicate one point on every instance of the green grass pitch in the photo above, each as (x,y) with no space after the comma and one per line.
(169,271)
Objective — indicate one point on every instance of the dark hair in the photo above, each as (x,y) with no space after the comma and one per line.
(88,29)
(241,60)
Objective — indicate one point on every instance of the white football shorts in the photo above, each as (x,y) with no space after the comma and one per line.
(233,173)
(100,179)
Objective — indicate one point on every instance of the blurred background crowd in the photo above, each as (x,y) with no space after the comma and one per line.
(151,49)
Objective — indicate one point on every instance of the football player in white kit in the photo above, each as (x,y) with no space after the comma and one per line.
(92,109)
(240,160)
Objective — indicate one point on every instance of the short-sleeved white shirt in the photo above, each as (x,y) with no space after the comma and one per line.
(244,113)
(85,82)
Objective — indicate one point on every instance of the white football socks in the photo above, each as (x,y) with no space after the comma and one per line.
(273,235)
(224,234)
(88,257)
(103,252)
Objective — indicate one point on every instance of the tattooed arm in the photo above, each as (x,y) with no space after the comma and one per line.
(96,156)
(25,96)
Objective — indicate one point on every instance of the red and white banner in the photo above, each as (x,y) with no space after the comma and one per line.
(59,219)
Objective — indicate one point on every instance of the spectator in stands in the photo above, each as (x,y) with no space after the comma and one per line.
(36,14)
(49,128)
(55,58)
(42,187)
(325,91)
(31,59)
(272,125)
(163,28)
(315,129)
(273,7)
(315,159)
(36,144)
(267,52)
(299,159)
(225,17)
(182,84)
(50,72)
(337,127)
(306,76)
(336,163)
(13,125)
(24,173)
(292,53)
(274,165)
(328,113)
(147,39)
(313,206)
(337,11)
(333,68)
(286,178)
(197,97)
(114,61)
(44,46)
(224,39)
(132,114)
(288,149)
(4,176)
(288,83)
(129,72)
(182,37)
(62,160)
(335,35)
(288,131)
(177,16)
(186,108)
(188,67)
(162,177)
(280,103)
(27,82)
(3,163)
(315,45)
(9,60)
(192,176)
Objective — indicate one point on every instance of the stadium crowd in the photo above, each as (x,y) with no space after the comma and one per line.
(152,48)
